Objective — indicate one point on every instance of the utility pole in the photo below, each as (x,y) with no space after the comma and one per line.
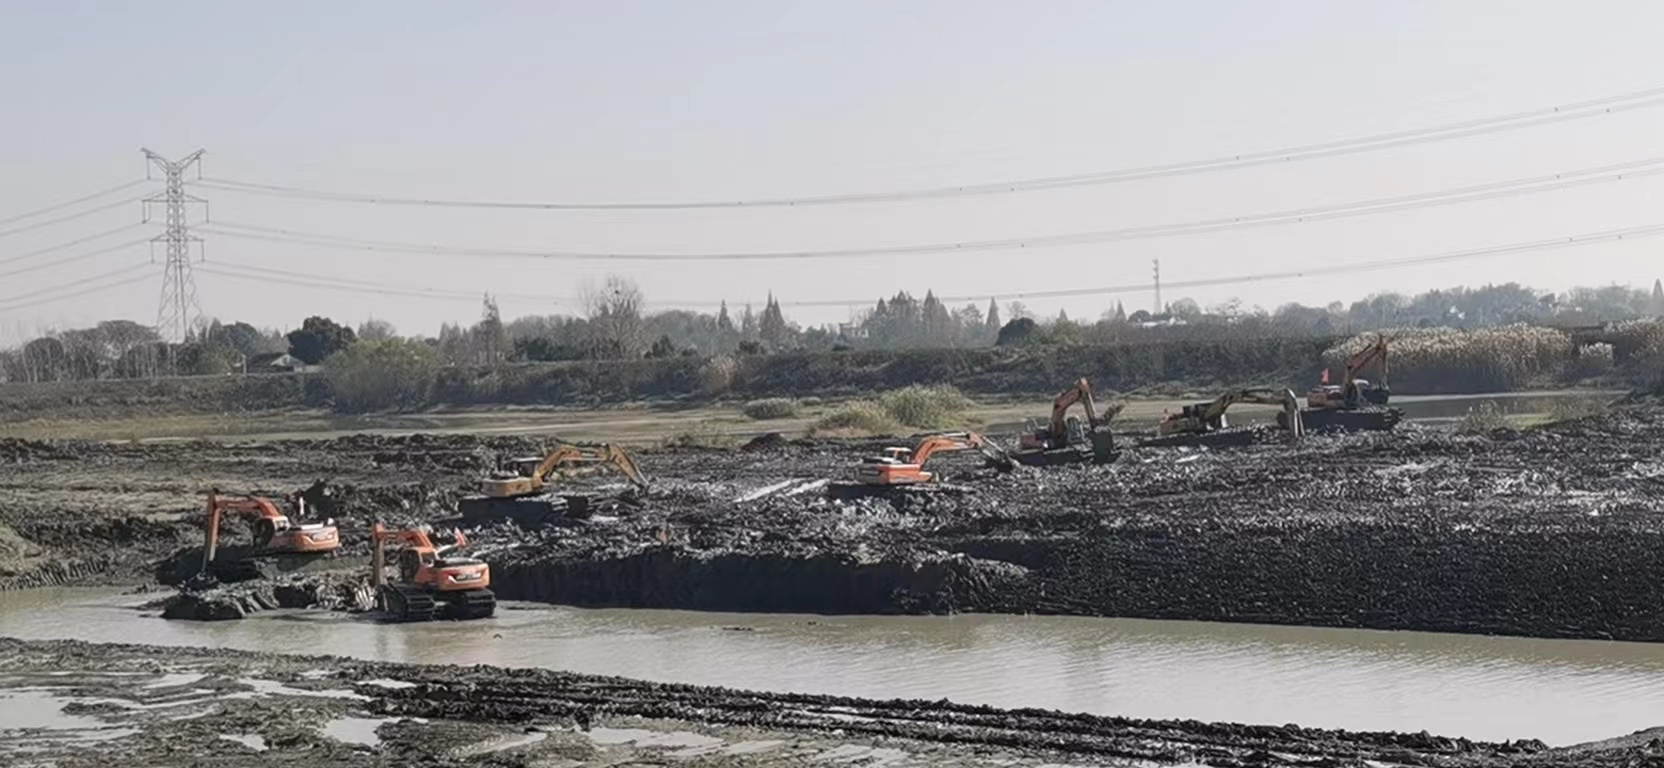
(1158,308)
(178,307)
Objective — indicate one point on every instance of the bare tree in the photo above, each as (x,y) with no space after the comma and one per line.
(614,311)
(376,330)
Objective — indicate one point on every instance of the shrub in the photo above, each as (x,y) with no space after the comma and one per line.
(1450,360)
(381,375)
(1592,360)
(702,435)
(1573,408)
(926,407)
(859,418)
(1483,419)
(716,376)
(770,408)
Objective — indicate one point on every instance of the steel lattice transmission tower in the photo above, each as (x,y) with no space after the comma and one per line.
(178,307)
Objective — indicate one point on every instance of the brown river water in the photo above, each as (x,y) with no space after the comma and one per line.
(1562,692)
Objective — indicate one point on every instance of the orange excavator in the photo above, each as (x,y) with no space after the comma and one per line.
(520,490)
(1355,403)
(432,582)
(903,466)
(1064,439)
(280,543)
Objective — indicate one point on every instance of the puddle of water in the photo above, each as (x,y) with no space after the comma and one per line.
(753,747)
(201,697)
(253,741)
(392,684)
(852,753)
(504,743)
(264,687)
(173,679)
(642,737)
(36,709)
(356,730)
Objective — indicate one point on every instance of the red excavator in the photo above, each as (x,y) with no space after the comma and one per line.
(1355,403)
(1064,439)
(1352,390)
(432,583)
(280,543)
(903,466)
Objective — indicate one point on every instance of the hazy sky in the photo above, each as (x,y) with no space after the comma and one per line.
(619,101)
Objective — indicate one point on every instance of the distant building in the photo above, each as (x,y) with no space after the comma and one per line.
(276,362)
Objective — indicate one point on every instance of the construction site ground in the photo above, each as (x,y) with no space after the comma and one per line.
(1554,531)
(70,704)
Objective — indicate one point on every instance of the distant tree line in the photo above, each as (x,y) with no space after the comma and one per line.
(615,324)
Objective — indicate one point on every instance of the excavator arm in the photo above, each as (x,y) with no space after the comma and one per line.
(963,441)
(1209,416)
(566,455)
(1081,393)
(1363,358)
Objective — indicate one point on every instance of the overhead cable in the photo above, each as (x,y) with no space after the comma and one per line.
(1642,99)
(72,203)
(1475,193)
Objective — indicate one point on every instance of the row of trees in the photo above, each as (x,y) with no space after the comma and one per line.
(616,325)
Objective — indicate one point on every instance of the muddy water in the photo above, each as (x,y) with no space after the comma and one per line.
(1562,692)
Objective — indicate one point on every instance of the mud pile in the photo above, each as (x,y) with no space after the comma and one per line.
(223,602)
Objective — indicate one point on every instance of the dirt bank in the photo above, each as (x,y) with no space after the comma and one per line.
(90,704)
(1554,532)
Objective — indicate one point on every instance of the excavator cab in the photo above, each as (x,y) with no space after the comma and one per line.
(431,584)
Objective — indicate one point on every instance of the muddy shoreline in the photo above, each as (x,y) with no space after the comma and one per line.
(146,705)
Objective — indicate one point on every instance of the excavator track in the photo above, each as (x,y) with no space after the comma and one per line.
(1232,437)
(469,604)
(405,604)
(1368,419)
(850,491)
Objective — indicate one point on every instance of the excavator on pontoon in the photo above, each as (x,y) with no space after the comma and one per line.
(1355,404)
(1204,424)
(280,544)
(522,490)
(433,583)
(900,466)
(1064,439)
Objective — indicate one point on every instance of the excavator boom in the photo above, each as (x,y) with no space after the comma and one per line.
(1081,393)
(1209,417)
(902,467)
(566,455)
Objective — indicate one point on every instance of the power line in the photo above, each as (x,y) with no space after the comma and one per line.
(1643,99)
(76,288)
(72,203)
(1398,203)
(246,272)
(69,244)
(72,259)
(70,217)
(1593,238)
